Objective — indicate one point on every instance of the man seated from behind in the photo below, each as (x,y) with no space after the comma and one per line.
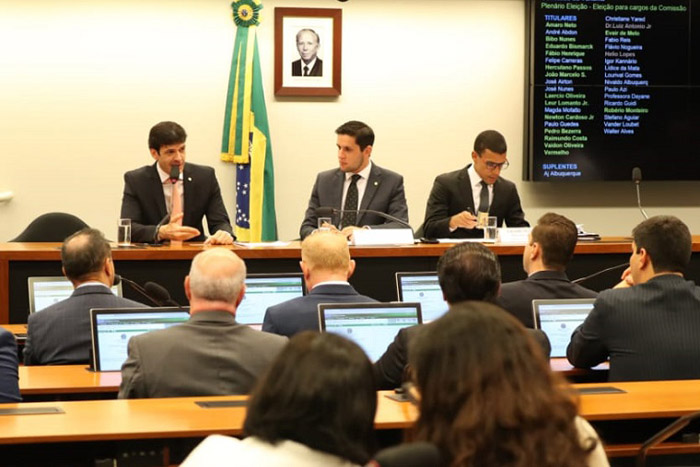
(9,378)
(468,271)
(60,334)
(549,249)
(211,354)
(326,264)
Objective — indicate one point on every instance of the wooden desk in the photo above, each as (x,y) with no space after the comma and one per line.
(66,379)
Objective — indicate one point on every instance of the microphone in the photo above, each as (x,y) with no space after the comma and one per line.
(328,212)
(598,273)
(408,455)
(637,179)
(160,293)
(174,173)
(136,287)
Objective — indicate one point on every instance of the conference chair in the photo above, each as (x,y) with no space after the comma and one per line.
(51,227)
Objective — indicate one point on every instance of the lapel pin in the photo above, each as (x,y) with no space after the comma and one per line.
(189,179)
(376,183)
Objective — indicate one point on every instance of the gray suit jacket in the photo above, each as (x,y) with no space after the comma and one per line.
(301,314)
(60,333)
(384,193)
(208,355)
(649,331)
(452,194)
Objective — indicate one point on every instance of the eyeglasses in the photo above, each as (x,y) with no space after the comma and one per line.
(495,165)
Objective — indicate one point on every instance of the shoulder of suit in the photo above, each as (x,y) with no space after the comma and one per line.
(384,172)
(143,171)
(191,167)
(454,175)
(330,173)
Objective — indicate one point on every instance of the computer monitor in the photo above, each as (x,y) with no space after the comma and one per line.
(45,291)
(422,287)
(113,327)
(373,326)
(265,290)
(558,318)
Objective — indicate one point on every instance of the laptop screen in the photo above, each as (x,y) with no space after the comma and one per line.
(265,290)
(422,287)
(559,318)
(372,326)
(45,291)
(113,327)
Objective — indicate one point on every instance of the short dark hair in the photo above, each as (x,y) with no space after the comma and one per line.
(491,140)
(318,392)
(469,271)
(668,242)
(557,236)
(363,134)
(165,133)
(83,257)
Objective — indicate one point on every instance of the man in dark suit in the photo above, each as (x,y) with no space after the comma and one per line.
(211,354)
(549,249)
(60,334)
(148,194)
(326,264)
(463,199)
(468,271)
(9,378)
(307,46)
(357,183)
(649,330)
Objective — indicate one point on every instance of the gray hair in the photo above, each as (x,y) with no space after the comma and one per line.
(217,274)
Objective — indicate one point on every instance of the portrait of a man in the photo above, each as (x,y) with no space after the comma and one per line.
(309,64)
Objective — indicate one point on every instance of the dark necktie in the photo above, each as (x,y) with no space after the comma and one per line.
(306,70)
(484,197)
(351,198)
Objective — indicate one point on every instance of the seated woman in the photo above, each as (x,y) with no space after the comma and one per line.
(315,406)
(487,395)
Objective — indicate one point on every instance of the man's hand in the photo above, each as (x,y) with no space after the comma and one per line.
(221,237)
(626,279)
(175,231)
(464,219)
(349,231)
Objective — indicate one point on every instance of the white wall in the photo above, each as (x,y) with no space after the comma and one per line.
(82,82)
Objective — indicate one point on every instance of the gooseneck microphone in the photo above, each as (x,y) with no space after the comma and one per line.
(328,212)
(598,273)
(637,179)
(174,173)
(160,293)
(138,288)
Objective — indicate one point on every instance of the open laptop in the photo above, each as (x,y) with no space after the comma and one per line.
(113,327)
(422,287)
(372,326)
(45,291)
(265,290)
(558,318)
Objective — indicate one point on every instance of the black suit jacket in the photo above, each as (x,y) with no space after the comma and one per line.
(9,378)
(516,297)
(384,193)
(301,313)
(144,203)
(317,70)
(452,194)
(650,331)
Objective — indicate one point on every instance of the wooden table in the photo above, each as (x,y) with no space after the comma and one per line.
(67,379)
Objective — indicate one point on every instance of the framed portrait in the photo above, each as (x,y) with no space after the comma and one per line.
(308,51)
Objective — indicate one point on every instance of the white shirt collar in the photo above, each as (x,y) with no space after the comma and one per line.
(166,176)
(311,65)
(364,173)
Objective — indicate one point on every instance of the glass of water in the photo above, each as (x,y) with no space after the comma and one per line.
(491,230)
(124,232)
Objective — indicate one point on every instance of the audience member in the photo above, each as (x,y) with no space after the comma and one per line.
(60,333)
(488,397)
(326,264)
(549,249)
(9,378)
(468,271)
(210,354)
(650,330)
(314,407)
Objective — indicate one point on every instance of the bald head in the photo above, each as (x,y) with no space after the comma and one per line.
(86,256)
(325,256)
(216,275)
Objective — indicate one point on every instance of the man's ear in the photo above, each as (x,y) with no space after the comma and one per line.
(241,294)
(644,259)
(351,268)
(535,251)
(155,154)
(188,294)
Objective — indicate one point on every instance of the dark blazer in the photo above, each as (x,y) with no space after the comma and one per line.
(301,313)
(649,331)
(452,194)
(390,368)
(144,203)
(384,193)
(317,70)
(516,297)
(209,355)
(60,334)
(9,378)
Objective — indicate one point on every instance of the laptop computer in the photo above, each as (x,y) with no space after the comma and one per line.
(113,327)
(372,326)
(265,290)
(45,291)
(422,287)
(558,318)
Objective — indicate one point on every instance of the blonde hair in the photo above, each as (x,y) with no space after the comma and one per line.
(327,251)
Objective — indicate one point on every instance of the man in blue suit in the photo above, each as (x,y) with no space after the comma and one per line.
(9,379)
(326,264)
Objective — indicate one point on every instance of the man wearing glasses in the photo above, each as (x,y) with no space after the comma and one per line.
(460,201)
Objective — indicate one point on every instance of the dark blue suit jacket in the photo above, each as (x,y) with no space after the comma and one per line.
(301,313)
(9,378)
(60,334)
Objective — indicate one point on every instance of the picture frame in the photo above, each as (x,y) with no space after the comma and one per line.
(308,51)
